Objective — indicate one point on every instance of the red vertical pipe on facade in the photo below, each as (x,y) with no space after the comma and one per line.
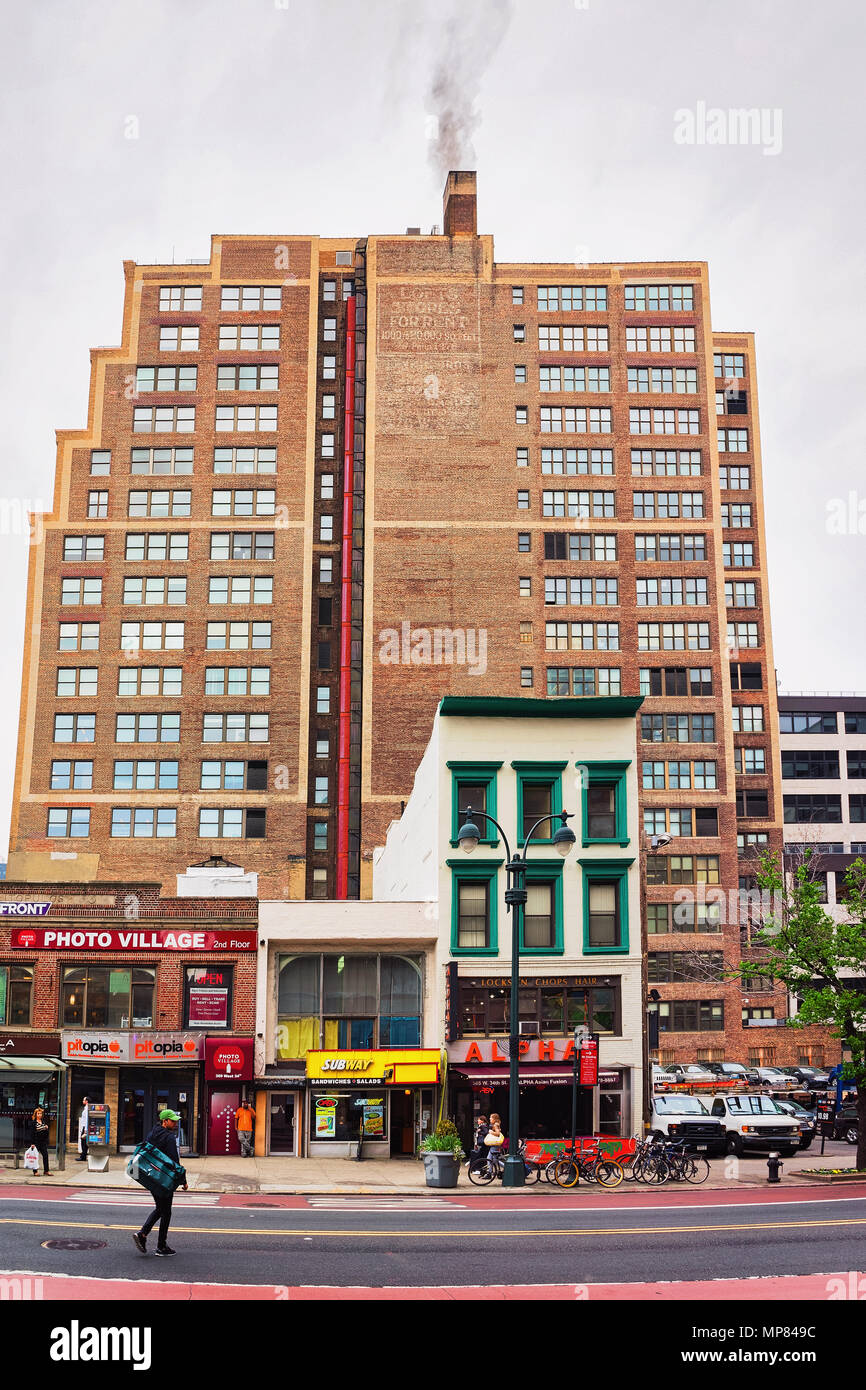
(345,724)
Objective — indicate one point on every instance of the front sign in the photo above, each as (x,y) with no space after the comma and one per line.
(484,1051)
(93,1045)
(398,1066)
(588,1066)
(29,1045)
(158,939)
(8,909)
(229,1058)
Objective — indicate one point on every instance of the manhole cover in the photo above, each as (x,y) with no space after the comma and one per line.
(74,1244)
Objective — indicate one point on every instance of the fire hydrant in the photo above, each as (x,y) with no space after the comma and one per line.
(774,1165)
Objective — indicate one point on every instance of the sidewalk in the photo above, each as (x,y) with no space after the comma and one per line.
(398,1176)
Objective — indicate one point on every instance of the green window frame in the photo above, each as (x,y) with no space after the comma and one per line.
(474,772)
(486,872)
(605,773)
(546,871)
(533,775)
(610,871)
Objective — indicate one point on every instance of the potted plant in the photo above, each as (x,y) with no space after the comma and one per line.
(442,1152)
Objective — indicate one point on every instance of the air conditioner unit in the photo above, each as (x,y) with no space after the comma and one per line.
(528,1030)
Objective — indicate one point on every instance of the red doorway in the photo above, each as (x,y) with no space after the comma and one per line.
(221,1135)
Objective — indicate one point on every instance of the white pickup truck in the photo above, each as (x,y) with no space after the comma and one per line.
(755,1122)
(680,1117)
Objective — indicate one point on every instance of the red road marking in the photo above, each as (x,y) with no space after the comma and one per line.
(777,1288)
(586,1199)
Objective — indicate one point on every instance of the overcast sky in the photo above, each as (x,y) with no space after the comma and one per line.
(293,116)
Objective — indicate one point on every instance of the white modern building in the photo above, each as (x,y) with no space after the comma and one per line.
(517,760)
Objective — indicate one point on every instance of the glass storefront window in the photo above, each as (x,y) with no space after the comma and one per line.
(603,1010)
(335,1116)
(16,990)
(610,1112)
(576,1008)
(95,996)
(551,1010)
(347,1002)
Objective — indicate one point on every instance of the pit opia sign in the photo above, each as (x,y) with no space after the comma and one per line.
(95,1046)
(79,939)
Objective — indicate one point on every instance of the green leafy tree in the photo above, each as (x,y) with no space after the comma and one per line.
(820,960)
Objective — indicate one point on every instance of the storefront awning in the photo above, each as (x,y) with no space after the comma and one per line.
(31,1064)
(562,1076)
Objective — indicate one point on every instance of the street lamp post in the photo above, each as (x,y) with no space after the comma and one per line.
(515,899)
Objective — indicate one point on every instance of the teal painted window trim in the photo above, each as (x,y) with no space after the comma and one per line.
(610,871)
(533,774)
(607,773)
(474,772)
(485,871)
(545,871)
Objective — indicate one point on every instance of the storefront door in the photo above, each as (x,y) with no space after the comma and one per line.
(403,1123)
(282,1108)
(221,1135)
(143,1094)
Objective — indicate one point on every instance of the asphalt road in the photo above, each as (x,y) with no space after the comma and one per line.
(545,1244)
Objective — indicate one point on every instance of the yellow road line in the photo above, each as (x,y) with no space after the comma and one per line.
(448,1235)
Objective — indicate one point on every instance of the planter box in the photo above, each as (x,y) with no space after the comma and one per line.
(441,1169)
(831,1177)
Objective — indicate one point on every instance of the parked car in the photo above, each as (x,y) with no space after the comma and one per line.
(812,1078)
(846,1123)
(805,1119)
(755,1122)
(682,1117)
(688,1071)
(777,1079)
(731,1071)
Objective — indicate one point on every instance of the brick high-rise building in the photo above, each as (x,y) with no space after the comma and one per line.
(325,482)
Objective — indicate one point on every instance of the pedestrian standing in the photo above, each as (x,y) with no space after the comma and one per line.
(40,1137)
(244,1120)
(162,1137)
(82,1131)
(479,1152)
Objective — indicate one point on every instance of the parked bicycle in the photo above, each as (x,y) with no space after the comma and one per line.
(493,1166)
(588,1162)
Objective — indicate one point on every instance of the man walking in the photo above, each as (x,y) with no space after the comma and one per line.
(82,1131)
(162,1137)
(244,1119)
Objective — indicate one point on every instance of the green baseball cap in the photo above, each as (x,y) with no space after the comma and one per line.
(169,1115)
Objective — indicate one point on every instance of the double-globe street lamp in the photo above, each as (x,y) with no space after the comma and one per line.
(515,899)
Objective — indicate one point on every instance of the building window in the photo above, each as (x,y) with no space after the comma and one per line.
(144,822)
(138,637)
(517,294)
(806,808)
(154,589)
(692,1016)
(68,776)
(157,504)
(145,775)
(163,419)
(147,728)
(605,905)
(172,297)
(243,502)
(150,680)
(107,996)
(165,379)
(244,459)
(526,677)
(474,785)
(16,995)
(74,728)
(100,462)
(320,836)
(542,915)
(475,913)
(68,822)
(241,588)
(231,823)
(247,298)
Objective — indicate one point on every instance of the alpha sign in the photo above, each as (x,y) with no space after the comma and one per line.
(483,1051)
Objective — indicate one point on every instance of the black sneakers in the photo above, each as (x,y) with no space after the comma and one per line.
(165,1250)
(140,1242)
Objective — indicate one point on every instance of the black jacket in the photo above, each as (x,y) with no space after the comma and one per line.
(165,1139)
(479,1138)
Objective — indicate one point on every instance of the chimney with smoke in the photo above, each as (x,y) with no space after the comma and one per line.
(460,205)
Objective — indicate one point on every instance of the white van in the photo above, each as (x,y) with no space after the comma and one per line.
(756,1122)
(681,1117)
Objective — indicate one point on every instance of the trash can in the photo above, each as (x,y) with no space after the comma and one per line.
(441,1169)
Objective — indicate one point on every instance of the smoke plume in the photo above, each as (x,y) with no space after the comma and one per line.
(470,39)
